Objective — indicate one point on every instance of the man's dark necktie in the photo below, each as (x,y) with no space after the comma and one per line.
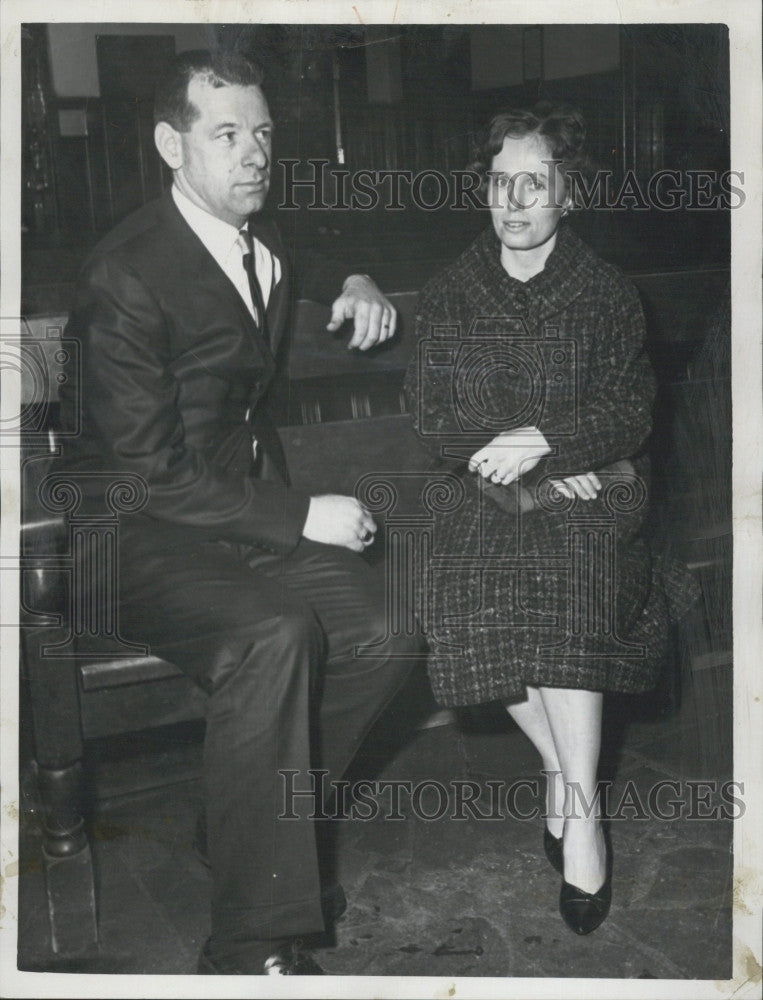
(254,285)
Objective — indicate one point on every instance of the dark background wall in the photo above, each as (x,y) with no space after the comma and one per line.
(408,97)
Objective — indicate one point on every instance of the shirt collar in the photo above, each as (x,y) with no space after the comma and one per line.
(216,235)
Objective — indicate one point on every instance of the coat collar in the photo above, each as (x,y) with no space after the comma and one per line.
(569,268)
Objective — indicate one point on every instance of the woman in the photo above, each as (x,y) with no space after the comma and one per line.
(531,367)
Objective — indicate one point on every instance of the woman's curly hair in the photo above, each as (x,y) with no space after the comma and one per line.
(561,126)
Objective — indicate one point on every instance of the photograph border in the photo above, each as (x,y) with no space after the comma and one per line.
(743,20)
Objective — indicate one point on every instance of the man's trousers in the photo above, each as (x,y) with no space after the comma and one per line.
(278,643)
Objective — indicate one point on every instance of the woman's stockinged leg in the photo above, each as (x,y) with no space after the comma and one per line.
(574,717)
(530,716)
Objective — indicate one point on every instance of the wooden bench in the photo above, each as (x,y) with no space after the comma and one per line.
(83,681)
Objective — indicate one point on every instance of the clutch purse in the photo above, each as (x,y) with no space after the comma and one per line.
(516,497)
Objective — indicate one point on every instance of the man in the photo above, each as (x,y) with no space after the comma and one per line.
(250,586)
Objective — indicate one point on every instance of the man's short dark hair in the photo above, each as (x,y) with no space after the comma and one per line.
(218,68)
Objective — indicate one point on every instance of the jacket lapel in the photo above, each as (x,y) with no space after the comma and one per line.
(203,267)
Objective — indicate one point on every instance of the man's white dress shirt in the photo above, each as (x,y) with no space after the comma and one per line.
(222,240)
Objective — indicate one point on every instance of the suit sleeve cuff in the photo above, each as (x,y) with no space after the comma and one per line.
(291,522)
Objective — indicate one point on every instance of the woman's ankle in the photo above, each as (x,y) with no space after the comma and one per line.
(554,814)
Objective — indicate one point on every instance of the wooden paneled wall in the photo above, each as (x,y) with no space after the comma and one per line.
(109,169)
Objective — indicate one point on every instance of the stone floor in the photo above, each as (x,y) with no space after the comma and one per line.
(442,896)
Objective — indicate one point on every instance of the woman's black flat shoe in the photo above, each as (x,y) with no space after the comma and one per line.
(553,847)
(582,911)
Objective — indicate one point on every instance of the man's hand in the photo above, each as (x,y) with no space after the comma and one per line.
(510,455)
(586,486)
(375,316)
(339,520)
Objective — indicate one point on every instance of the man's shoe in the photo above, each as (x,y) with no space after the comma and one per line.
(285,959)
(291,961)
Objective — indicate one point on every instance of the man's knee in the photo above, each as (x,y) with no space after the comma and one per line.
(297,629)
(398,635)
(270,651)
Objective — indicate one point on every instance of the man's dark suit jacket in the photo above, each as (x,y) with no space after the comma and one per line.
(173,373)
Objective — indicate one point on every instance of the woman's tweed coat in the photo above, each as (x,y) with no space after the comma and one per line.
(538,598)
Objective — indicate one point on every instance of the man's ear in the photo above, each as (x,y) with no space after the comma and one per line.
(168,143)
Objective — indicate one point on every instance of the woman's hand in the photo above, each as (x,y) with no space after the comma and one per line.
(585,486)
(510,455)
